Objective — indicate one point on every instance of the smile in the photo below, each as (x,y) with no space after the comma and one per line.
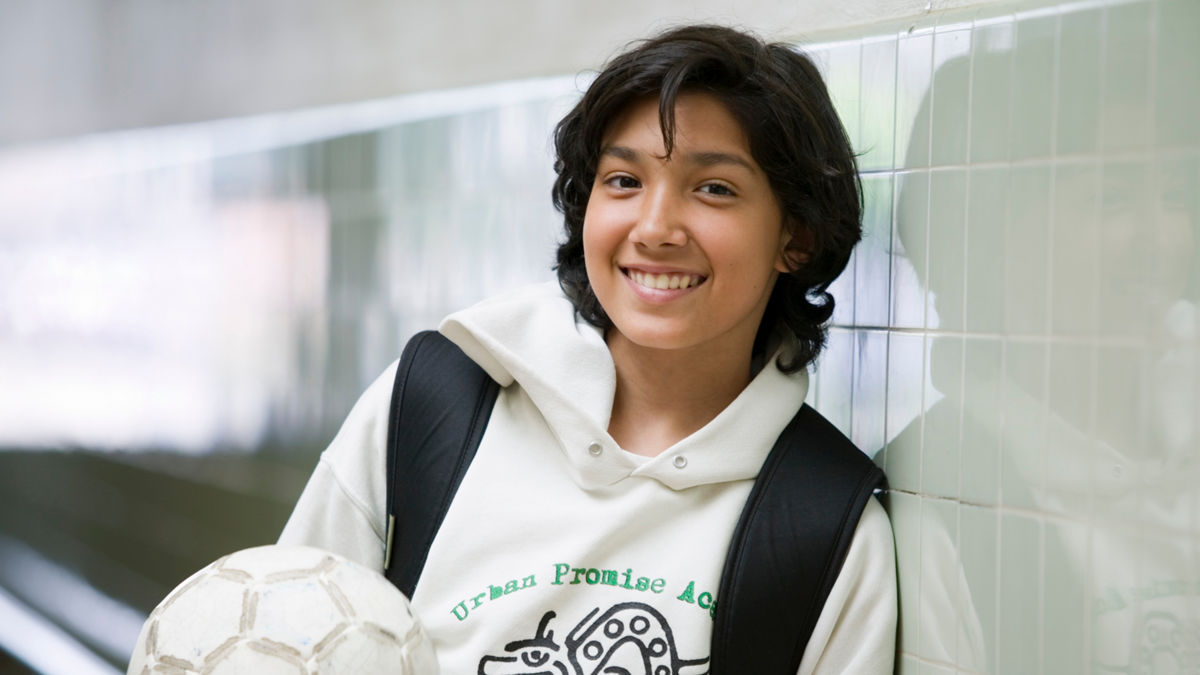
(664,282)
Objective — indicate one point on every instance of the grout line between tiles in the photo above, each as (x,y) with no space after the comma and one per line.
(940,664)
(1106,341)
(1053,160)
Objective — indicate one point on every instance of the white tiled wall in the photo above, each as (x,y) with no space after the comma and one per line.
(1018,340)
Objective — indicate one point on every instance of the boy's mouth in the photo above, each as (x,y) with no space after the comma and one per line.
(665,281)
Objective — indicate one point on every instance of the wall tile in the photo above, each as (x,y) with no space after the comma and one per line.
(1176,73)
(942,623)
(842,289)
(905,405)
(1120,433)
(1018,648)
(914,61)
(979,539)
(983,420)
(1064,602)
(1150,246)
(1023,443)
(1130,264)
(909,269)
(1124,611)
(987,217)
(872,284)
(1068,430)
(905,511)
(840,67)
(951,97)
(1079,82)
(991,91)
(947,210)
(870,390)
(1034,63)
(1027,247)
(943,442)
(1125,100)
(835,379)
(1074,265)
(877,109)
(1173,200)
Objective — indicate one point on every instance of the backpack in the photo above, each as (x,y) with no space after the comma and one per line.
(785,554)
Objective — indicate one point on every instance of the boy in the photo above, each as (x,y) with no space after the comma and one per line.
(709,197)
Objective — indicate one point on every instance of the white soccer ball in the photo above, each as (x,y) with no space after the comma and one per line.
(283,609)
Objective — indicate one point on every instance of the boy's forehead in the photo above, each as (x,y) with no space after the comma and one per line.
(703,125)
(695,114)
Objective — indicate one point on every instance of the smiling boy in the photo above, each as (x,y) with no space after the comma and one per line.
(682,252)
(709,197)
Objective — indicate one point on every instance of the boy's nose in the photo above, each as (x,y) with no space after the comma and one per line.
(660,222)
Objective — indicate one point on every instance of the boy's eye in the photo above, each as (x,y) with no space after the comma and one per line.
(717,189)
(624,182)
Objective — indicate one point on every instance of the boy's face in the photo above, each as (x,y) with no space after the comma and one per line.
(682,253)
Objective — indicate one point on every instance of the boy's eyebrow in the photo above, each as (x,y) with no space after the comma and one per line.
(714,158)
(708,158)
(620,152)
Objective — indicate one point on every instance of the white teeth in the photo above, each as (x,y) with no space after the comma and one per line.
(664,281)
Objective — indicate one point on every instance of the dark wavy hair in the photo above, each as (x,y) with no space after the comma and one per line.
(780,100)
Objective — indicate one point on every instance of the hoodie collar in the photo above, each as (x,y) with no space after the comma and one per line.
(533,337)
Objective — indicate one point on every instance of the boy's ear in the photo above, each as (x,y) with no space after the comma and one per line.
(795,248)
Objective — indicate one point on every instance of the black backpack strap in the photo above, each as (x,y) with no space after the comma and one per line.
(441,403)
(789,546)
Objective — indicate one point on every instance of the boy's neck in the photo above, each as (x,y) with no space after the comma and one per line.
(664,396)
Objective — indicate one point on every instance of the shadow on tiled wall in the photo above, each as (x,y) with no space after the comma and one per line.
(1032,386)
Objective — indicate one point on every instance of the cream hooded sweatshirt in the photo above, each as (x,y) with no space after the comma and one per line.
(561,552)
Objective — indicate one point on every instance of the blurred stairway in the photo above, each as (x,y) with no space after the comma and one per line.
(92,541)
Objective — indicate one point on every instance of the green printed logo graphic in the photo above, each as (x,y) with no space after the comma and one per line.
(565,574)
(463,609)
(631,637)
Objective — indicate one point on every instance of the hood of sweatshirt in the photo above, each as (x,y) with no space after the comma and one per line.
(532,337)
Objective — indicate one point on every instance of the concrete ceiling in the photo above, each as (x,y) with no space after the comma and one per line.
(70,67)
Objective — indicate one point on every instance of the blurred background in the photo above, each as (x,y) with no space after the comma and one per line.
(220,221)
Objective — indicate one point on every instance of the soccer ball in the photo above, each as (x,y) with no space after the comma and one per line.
(283,609)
